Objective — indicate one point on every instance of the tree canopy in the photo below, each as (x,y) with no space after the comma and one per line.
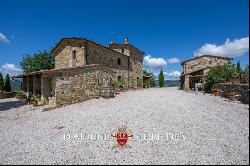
(42,60)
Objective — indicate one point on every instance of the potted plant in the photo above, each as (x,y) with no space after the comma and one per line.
(233,96)
(20,95)
(36,100)
(216,91)
(30,99)
(120,85)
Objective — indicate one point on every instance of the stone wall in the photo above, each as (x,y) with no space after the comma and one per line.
(77,85)
(241,89)
(4,95)
(64,53)
(201,63)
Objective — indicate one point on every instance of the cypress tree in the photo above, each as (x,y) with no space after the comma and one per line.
(7,86)
(161,78)
(1,82)
(238,67)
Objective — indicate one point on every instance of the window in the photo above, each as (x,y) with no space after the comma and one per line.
(119,61)
(98,81)
(210,62)
(119,78)
(128,63)
(122,50)
(74,54)
(73,60)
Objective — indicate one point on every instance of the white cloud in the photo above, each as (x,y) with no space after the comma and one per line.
(10,69)
(154,62)
(173,61)
(3,38)
(173,74)
(228,49)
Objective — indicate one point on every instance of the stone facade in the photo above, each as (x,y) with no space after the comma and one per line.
(80,84)
(129,69)
(82,68)
(195,69)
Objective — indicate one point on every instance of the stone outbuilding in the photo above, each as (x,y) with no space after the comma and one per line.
(82,67)
(195,69)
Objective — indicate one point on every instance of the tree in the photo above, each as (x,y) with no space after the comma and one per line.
(219,74)
(7,86)
(152,77)
(161,78)
(238,68)
(1,82)
(39,61)
(245,74)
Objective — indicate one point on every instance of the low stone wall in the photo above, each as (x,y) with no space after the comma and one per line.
(4,95)
(241,89)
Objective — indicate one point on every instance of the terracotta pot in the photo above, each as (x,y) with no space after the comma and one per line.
(216,93)
(35,103)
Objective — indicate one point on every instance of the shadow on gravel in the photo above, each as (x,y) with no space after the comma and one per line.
(4,106)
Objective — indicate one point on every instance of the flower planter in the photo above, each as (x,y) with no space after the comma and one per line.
(216,93)
(35,103)
(232,96)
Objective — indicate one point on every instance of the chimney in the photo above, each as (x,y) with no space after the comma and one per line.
(126,41)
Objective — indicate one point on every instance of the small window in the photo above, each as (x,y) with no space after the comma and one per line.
(98,81)
(122,50)
(210,62)
(119,78)
(119,61)
(74,54)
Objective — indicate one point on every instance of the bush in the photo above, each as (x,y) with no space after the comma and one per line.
(20,95)
(120,84)
(219,74)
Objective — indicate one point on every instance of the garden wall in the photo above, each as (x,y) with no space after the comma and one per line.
(4,95)
(241,89)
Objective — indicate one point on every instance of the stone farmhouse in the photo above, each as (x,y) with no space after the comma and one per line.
(82,68)
(195,69)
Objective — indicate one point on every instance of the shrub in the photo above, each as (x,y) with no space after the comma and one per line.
(119,84)
(219,74)
(20,95)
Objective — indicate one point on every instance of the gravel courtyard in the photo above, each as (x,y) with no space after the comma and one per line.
(203,129)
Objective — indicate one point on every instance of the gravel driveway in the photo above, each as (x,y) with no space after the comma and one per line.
(201,129)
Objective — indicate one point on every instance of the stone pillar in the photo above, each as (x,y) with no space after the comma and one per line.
(186,82)
(45,89)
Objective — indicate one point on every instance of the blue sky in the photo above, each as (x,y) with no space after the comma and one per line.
(163,29)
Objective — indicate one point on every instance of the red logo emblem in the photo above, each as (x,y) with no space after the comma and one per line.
(122,135)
